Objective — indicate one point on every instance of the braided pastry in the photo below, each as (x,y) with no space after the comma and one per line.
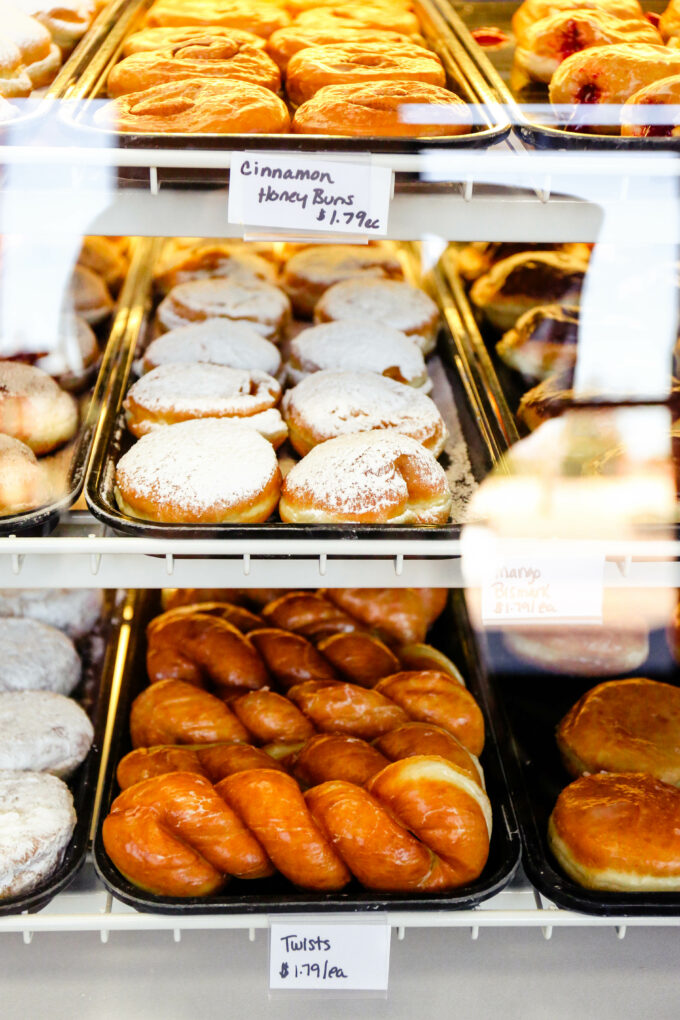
(290,658)
(237,616)
(399,615)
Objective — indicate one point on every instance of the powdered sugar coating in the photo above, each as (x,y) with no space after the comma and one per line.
(216,342)
(211,261)
(265,307)
(74,611)
(36,657)
(37,819)
(34,409)
(392,302)
(180,391)
(42,732)
(361,347)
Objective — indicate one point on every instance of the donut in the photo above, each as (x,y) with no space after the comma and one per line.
(176,392)
(297,7)
(66,20)
(75,611)
(105,258)
(43,732)
(76,353)
(23,484)
(369,477)
(88,296)
(354,346)
(310,272)
(206,471)
(37,819)
(14,81)
(258,16)
(330,404)
(214,342)
(390,302)
(546,400)
(669,22)
(36,657)
(33,408)
(286,42)
(641,116)
(542,341)
(388,17)
(580,651)
(531,11)
(40,56)
(152,39)
(208,261)
(260,305)
(478,257)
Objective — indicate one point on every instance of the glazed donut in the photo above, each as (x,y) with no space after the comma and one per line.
(399,615)
(257,16)
(88,296)
(214,342)
(329,756)
(208,262)
(36,657)
(258,304)
(354,346)
(290,658)
(309,273)
(638,120)
(307,613)
(368,477)
(23,484)
(531,11)
(419,656)
(104,257)
(619,832)
(417,738)
(37,819)
(478,257)
(213,761)
(153,39)
(347,708)
(624,726)
(257,597)
(580,651)
(285,43)
(41,731)
(360,658)
(14,81)
(206,471)
(175,712)
(542,342)
(432,697)
(33,408)
(297,7)
(389,17)
(76,353)
(669,22)
(75,611)
(387,301)
(181,392)
(242,619)
(270,717)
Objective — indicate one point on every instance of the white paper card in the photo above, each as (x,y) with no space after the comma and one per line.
(350,956)
(300,192)
(539,588)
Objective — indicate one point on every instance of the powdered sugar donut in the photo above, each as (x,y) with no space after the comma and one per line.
(76,352)
(265,308)
(33,409)
(214,342)
(23,483)
(330,404)
(205,471)
(74,611)
(43,732)
(369,477)
(175,392)
(37,819)
(36,657)
(210,261)
(396,304)
(89,296)
(355,346)
(309,273)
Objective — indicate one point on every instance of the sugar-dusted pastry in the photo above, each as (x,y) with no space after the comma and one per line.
(88,296)
(184,35)
(653,111)
(285,43)
(75,611)
(23,484)
(34,409)
(40,56)
(76,353)
(104,256)
(531,11)
(392,302)
(262,306)
(309,273)
(210,260)
(66,20)
(257,16)
(14,81)
(36,657)
(214,342)
(41,731)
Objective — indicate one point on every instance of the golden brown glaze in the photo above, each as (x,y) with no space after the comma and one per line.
(257,16)
(285,43)
(308,613)
(271,717)
(153,39)
(360,658)
(398,615)
(290,658)
(346,708)
(213,761)
(239,617)
(419,656)
(432,697)
(368,15)
(174,712)
(330,756)
(531,11)
(421,738)
(637,122)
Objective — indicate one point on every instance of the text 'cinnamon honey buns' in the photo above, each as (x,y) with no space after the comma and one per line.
(531,11)
(618,832)
(543,341)
(23,484)
(391,302)
(624,726)
(358,63)
(653,111)
(206,471)
(285,43)
(580,651)
(264,307)
(308,274)
(214,342)
(330,404)
(208,261)
(356,15)
(551,40)
(257,16)
(34,409)
(152,39)
(197,105)
(370,477)
(353,345)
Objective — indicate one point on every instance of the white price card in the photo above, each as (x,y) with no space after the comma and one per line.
(341,955)
(538,588)
(301,192)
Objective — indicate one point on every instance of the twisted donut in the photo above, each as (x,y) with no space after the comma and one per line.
(290,658)
(236,615)
(175,712)
(360,658)
(308,613)
(429,696)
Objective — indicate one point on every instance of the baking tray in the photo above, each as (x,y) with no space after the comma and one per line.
(277,895)
(456,392)
(98,652)
(527,104)
(464,78)
(531,703)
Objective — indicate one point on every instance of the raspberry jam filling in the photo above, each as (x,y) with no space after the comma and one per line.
(490,37)
(571,40)
(588,94)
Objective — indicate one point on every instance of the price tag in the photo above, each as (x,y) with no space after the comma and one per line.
(543,589)
(349,956)
(300,192)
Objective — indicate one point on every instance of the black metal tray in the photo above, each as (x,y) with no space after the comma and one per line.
(98,652)
(527,104)
(277,895)
(454,379)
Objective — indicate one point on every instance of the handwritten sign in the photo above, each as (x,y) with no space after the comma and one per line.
(350,956)
(304,193)
(543,589)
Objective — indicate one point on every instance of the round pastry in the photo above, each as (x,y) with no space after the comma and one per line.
(88,296)
(37,819)
(542,342)
(547,400)
(421,738)
(34,409)
(36,657)
(580,651)
(40,56)
(624,726)
(175,392)
(387,301)
(355,346)
(75,611)
(652,112)
(387,17)
(478,257)
(531,11)
(285,43)
(104,256)
(154,39)
(369,477)
(208,261)
(175,712)
(214,342)
(400,616)
(357,63)
(14,81)
(23,483)
(257,16)
(360,658)
(43,732)
(297,7)
(330,404)
(200,58)
(207,471)
(435,698)
(197,106)
(669,22)
(76,353)
(310,272)
(618,832)
(522,281)
(376,110)
(66,20)
(265,308)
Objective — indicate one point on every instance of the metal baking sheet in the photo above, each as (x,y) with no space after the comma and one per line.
(455,390)
(97,651)
(519,96)
(277,895)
